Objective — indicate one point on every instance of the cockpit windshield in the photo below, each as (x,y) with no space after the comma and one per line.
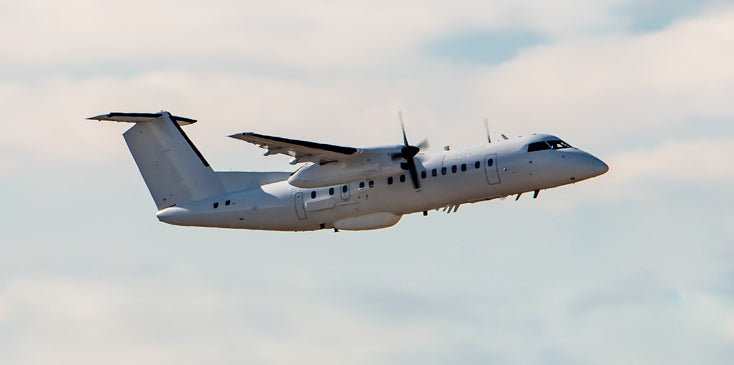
(555,144)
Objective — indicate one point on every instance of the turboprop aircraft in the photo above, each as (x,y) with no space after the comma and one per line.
(339,187)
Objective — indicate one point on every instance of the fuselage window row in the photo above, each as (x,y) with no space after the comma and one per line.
(434,173)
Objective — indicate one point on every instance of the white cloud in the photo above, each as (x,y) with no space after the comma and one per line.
(701,162)
(152,321)
(592,90)
(301,36)
(622,84)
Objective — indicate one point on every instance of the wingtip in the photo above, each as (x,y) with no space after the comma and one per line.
(236,135)
(97,117)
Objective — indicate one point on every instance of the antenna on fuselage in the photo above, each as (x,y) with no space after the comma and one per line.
(486,127)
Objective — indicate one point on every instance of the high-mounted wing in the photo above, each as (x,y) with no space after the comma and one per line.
(301,151)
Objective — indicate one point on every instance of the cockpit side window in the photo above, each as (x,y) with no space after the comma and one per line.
(538,146)
(557,144)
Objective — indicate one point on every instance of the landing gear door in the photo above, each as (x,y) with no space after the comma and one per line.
(300,207)
(490,168)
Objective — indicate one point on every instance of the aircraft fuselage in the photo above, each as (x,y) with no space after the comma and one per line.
(448,179)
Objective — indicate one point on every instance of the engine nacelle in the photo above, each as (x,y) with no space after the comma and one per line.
(373,164)
(314,176)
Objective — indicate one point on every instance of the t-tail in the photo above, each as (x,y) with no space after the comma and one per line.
(173,168)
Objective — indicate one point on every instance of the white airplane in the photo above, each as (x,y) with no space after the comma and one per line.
(338,187)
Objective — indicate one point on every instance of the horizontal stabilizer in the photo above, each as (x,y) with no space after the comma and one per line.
(140,117)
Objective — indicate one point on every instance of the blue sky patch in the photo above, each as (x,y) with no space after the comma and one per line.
(654,15)
(485,47)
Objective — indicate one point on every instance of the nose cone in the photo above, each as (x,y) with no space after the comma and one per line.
(599,166)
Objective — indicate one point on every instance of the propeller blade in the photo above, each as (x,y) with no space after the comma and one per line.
(402,125)
(486,127)
(413,173)
(423,145)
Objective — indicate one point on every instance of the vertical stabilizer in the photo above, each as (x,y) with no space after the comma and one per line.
(173,168)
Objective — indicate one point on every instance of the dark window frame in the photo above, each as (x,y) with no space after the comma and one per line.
(538,146)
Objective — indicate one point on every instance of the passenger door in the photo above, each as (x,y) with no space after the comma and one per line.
(491,169)
(300,207)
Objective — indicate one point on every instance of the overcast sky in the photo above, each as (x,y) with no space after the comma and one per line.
(633,267)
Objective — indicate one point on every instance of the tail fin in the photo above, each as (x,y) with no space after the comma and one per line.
(173,168)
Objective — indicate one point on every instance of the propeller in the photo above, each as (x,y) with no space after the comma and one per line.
(408,152)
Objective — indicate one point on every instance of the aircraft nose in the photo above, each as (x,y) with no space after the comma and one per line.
(599,166)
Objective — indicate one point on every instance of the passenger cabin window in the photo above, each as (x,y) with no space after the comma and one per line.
(434,172)
(402,178)
(389,180)
(313,195)
(477,164)
(490,162)
(331,191)
(453,169)
(361,184)
(345,188)
(216,205)
(423,174)
(371,183)
(463,167)
(443,171)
